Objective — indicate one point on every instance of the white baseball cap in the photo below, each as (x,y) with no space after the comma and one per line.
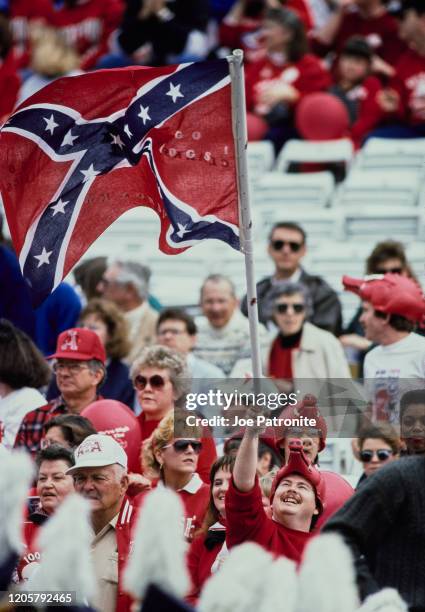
(98,450)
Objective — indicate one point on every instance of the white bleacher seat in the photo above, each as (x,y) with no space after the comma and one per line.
(376,223)
(303,151)
(310,190)
(366,188)
(390,154)
(260,156)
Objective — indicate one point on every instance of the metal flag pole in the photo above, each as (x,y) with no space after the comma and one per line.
(240,134)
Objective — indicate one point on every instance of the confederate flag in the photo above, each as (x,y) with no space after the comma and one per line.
(83,150)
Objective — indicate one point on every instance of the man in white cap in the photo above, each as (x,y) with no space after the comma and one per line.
(100,475)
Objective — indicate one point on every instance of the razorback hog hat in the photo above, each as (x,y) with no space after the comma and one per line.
(390,294)
(299,464)
(307,408)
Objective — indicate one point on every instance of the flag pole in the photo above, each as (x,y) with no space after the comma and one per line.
(240,134)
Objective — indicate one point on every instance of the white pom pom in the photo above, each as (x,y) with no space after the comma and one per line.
(239,586)
(387,600)
(65,545)
(327,579)
(16,472)
(280,587)
(159,547)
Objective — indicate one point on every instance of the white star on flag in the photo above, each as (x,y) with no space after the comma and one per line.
(144,114)
(68,139)
(89,173)
(182,230)
(117,140)
(175,92)
(43,258)
(59,207)
(50,124)
(127,130)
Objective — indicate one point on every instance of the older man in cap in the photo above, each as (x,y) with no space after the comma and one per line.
(392,306)
(80,370)
(100,475)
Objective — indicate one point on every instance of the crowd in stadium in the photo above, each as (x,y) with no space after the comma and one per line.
(93,382)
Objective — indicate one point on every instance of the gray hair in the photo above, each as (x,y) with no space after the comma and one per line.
(165,358)
(97,366)
(219,278)
(134,273)
(287,288)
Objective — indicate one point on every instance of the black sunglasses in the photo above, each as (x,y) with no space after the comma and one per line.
(156,382)
(390,270)
(283,308)
(278,245)
(180,446)
(383,454)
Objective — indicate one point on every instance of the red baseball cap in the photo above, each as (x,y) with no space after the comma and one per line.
(80,344)
(299,464)
(307,408)
(390,293)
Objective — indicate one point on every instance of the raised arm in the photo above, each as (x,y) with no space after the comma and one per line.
(246,462)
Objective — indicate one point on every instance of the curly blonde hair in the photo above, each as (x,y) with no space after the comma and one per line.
(174,421)
(164,358)
(117,344)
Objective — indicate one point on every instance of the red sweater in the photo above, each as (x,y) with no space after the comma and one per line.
(380,32)
(247,521)
(306,76)
(88,27)
(208,453)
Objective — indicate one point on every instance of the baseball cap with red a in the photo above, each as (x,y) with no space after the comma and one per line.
(98,450)
(80,344)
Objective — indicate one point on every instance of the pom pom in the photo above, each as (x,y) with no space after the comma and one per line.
(387,600)
(159,547)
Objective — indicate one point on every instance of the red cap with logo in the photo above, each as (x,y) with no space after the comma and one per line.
(308,409)
(80,344)
(390,293)
(299,464)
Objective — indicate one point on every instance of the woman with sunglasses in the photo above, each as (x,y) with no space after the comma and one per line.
(173,462)
(161,380)
(378,445)
(208,550)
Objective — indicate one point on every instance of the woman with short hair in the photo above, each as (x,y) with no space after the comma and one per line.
(173,461)
(378,445)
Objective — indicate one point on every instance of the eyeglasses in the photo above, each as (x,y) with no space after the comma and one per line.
(383,454)
(156,382)
(46,442)
(180,446)
(283,308)
(388,270)
(278,245)
(170,330)
(74,368)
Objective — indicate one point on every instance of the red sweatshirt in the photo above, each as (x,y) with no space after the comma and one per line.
(208,453)
(88,26)
(247,521)
(306,76)
(380,32)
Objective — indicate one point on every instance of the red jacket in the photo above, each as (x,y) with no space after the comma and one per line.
(247,522)
(307,75)
(88,27)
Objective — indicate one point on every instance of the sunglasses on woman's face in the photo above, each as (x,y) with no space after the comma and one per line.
(156,382)
(383,454)
(181,446)
(283,308)
(397,270)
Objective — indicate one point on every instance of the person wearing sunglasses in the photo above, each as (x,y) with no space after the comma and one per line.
(300,350)
(377,445)
(287,247)
(161,380)
(172,462)
(208,549)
